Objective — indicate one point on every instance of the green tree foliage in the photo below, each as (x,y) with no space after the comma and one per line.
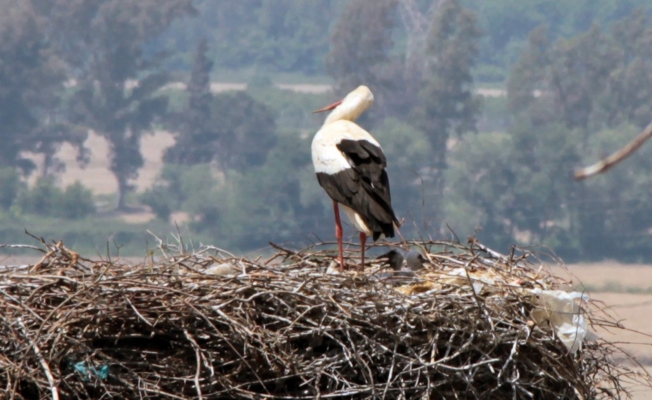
(48,200)
(573,100)
(190,188)
(193,126)
(181,187)
(292,35)
(247,130)
(559,81)
(232,129)
(237,135)
(627,97)
(76,202)
(271,35)
(10,185)
(360,45)
(508,23)
(107,97)
(481,179)
(447,104)
(30,75)
(248,207)
(264,203)
(614,214)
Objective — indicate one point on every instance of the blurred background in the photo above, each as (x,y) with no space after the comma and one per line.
(123,116)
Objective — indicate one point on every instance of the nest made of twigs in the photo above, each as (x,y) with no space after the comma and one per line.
(284,328)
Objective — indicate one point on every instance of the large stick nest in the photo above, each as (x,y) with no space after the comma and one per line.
(284,328)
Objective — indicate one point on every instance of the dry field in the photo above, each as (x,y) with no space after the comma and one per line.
(97,176)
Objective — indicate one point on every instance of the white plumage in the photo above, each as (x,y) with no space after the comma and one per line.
(350,166)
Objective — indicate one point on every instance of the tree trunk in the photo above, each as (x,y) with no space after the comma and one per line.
(123,188)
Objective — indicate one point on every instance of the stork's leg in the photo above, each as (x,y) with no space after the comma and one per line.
(363,240)
(338,233)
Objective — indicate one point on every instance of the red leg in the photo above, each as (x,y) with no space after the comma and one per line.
(338,233)
(363,240)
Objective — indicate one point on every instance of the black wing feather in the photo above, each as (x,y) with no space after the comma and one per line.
(364,187)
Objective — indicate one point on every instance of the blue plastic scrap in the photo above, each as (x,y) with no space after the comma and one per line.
(101,372)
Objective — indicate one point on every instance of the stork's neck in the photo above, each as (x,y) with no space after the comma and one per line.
(343,112)
(352,106)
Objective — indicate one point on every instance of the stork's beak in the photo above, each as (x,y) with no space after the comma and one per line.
(328,108)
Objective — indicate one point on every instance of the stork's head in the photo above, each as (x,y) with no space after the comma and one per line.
(351,107)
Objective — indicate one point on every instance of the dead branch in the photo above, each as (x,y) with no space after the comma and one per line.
(615,158)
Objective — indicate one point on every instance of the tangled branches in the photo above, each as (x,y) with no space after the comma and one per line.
(284,329)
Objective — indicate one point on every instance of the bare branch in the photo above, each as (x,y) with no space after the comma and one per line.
(615,158)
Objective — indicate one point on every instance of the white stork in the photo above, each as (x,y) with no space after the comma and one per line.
(350,166)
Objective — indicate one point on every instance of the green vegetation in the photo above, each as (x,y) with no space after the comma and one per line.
(90,236)
(578,79)
(291,37)
(48,200)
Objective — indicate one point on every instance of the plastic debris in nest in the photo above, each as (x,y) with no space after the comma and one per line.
(87,372)
(559,310)
(562,311)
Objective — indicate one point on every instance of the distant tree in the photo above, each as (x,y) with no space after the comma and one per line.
(360,45)
(295,34)
(232,129)
(238,135)
(31,78)
(571,99)
(117,80)
(192,126)
(75,202)
(628,94)
(263,203)
(447,105)
(246,131)
(55,130)
(48,200)
(10,185)
(40,198)
(564,84)
(264,35)
(173,186)
(481,180)
(507,24)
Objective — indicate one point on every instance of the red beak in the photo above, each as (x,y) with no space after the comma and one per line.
(328,108)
